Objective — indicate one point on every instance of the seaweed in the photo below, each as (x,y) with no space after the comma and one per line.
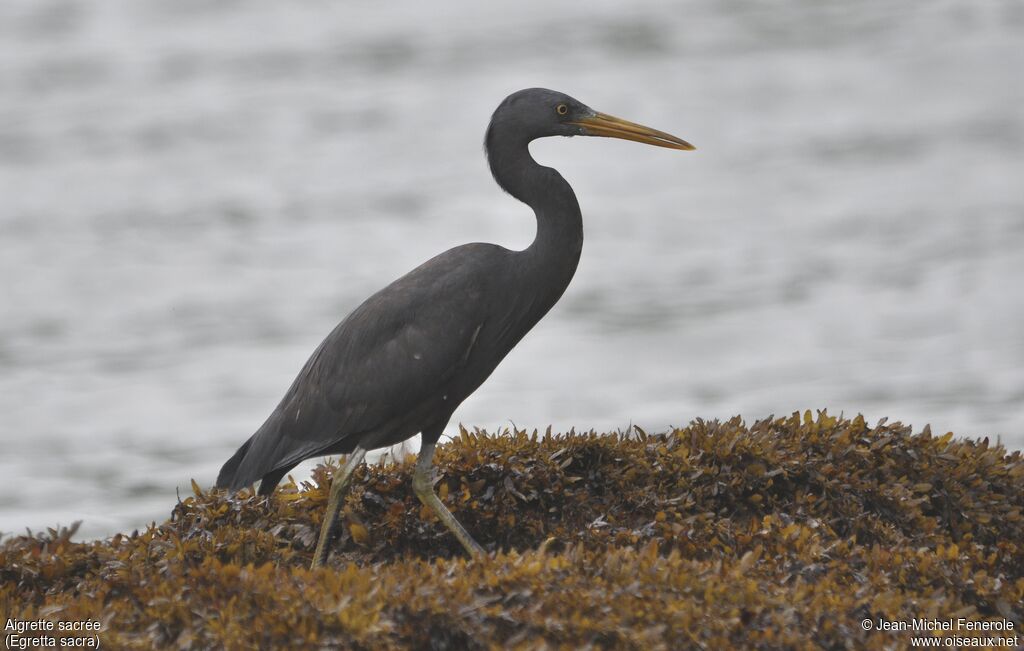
(787,533)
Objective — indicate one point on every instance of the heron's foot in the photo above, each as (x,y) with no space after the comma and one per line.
(431,500)
(423,485)
(339,488)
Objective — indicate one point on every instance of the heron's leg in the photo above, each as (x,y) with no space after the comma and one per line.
(423,484)
(339,488)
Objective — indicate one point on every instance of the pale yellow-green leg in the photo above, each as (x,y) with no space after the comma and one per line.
(423,484)
(339,488)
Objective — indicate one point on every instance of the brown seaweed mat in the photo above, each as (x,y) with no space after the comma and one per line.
(790,533)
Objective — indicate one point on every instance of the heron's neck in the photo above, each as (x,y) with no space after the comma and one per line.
(555,251)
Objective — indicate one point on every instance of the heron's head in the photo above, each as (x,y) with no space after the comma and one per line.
(539,112)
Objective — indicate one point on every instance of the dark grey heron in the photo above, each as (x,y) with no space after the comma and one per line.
(402,361)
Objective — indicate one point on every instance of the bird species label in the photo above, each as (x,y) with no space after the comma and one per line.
(49,634)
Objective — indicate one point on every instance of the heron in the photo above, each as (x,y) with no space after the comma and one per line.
(409,355)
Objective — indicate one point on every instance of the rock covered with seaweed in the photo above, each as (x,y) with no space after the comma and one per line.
(786,533)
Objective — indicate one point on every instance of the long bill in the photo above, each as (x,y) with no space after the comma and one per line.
(609,126)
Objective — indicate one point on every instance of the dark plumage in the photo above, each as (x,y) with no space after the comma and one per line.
(402,361)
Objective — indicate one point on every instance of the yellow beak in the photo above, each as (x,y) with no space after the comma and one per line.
(609,126)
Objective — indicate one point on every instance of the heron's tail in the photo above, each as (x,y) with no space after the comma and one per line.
(228,472)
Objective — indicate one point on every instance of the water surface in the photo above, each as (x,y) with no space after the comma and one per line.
(193,193)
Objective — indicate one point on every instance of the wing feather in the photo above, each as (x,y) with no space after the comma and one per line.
(394,352)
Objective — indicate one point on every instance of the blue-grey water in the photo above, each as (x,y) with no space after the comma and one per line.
(193,193)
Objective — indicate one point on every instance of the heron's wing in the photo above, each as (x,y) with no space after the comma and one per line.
(389,357)
(392,354)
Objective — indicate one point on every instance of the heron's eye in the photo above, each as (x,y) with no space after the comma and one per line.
(562,109)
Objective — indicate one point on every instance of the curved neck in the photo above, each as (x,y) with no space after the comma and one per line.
(556,249)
